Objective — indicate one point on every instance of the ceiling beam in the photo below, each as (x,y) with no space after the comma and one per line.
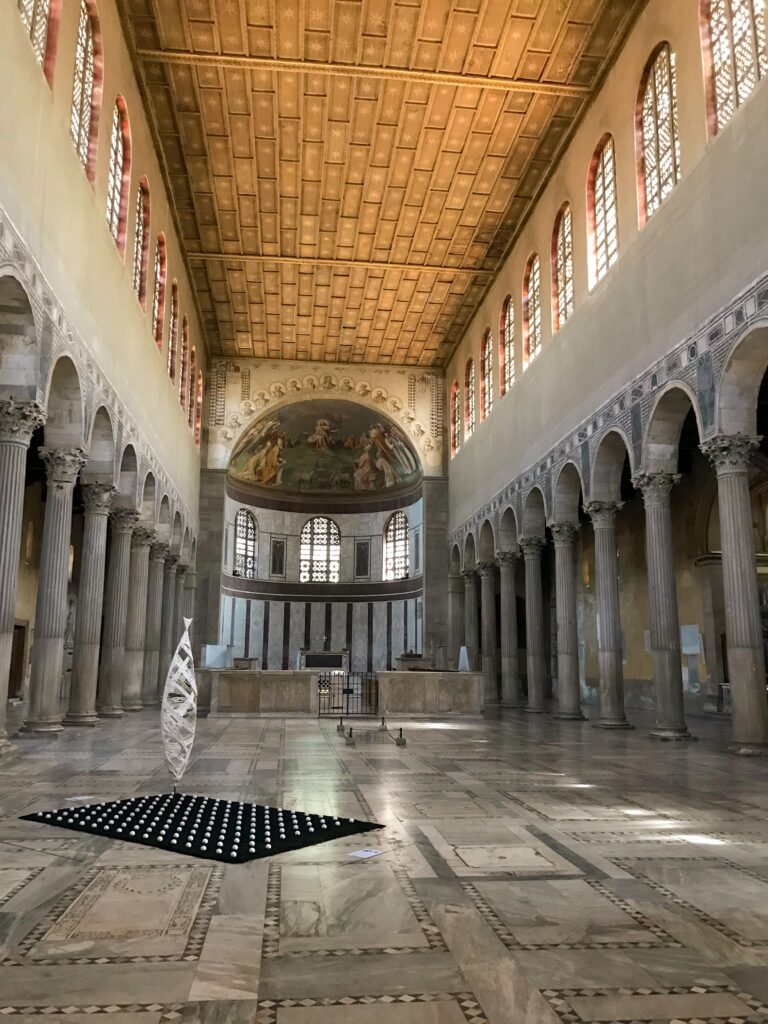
(306,67)
(319,261)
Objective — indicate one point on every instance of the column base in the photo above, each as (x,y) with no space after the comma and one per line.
(670,735)
(513,705)
(150,702)
(31,730)
(569,716)
(748,749)
(612,723)
(89,718)
(492,701)
(139,706)
(110,712)
(534,711)
(6,747)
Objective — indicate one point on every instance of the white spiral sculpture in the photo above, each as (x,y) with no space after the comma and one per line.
(179,710)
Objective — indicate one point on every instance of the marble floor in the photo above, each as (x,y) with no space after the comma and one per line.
(530,871)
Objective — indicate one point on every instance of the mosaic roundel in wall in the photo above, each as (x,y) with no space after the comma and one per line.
(325,447)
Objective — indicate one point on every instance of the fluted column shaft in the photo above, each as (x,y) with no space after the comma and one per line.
(656,489)
(188,604)
(456,617)
(62,467)
(511,692)
(534,623)
(149,690)
(85,659)
(136,620)
(488,620)
(112,669)
(470,618)
(166,627)
(178,603)
(730,455)
(568,690)
(18,422)
(603,516)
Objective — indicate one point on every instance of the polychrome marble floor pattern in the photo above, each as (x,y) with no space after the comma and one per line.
(531,871)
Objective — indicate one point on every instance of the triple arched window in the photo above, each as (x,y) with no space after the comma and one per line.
(507,345)
(141,243)
(603,213)
(659,139)
(562,263)
(737,52)
(86,88)
(486,376)
(532,309)
(396,554)
(469,399)
(455,418)
(119,171)
(319,551)
(246,535)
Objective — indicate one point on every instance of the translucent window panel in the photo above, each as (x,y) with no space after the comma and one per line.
(455,418)
(486,366)
(533,308)
(245,544)
(606,227)
(739,52)
(82,90)
(661,144)
(319,551)
(35,15)
(396,555)
(469,412)
(564,266)
(507,346)
(115,175)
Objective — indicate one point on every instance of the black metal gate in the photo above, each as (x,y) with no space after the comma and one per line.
(347,693)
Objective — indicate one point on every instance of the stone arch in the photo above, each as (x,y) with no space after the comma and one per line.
(487,542)
(534,514)
(128,479)
(508,532)
(177,532)
(193,552)
(148,498)
(455,560)
(608,466)
(65,425)
(568,493)
(164,520)
(740,380)
(662,435)
(470,559)
(100,467)
(19,348)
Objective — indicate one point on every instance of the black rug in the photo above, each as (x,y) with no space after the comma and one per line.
(201,826)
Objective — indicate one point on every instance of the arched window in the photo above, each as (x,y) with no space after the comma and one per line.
(141,243)
(455,418)
(41,20)
(736,54)
(396,555)
(604,227)
(184,363)
(246,533)
(86,90)
(658,141)
(532,309)
(562,264)
(191,388)
(173,331)
(158,292)
(319,549)
(469,400)
(199,408)
(507,345)
(119,173)
(486,376)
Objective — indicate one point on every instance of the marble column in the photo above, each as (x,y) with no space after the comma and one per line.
(730,455)
(534,624)
(470,618)
(511,692)
(97,499)
(178,603)
(603,516)
(112,669)
(488,620)
(656,489)
(166,622)
(136,619)
(568,689)
(18,421)
(456,614)
(149,689)
(62,466)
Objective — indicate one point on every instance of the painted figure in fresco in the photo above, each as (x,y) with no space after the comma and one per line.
(266,466)
(383,463)
(322,437)
(365,472)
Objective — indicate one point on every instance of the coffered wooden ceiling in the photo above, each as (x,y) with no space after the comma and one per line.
(348,174)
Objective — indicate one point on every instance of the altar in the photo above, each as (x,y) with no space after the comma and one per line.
(321,660)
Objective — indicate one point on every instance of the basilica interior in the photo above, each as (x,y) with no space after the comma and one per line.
(384,444)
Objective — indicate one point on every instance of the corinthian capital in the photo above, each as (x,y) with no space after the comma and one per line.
(532,546)
(19,420)
(97,498)
(142,536)
(158,552)
(63,464)
(124,519)
(655,487)
(563,534)
(486,569)
(730,453)
(507,560)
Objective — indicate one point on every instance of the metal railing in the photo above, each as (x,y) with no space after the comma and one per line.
(347,693)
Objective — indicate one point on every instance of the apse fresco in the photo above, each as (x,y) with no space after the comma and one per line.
(326,447)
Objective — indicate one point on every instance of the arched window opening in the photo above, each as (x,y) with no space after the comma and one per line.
(184,363)
(507,345)
(737,54)
(563,266)
(86,90)
(604,225)
(246,533)
(173,331)
(319,551)
(396,554)
(191,386)
(119,173)
(199,408)
(659,143)
(532,309)
(158,292)
(486,376)
(141,243)
(469,407)
(41,20)
(455,418)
